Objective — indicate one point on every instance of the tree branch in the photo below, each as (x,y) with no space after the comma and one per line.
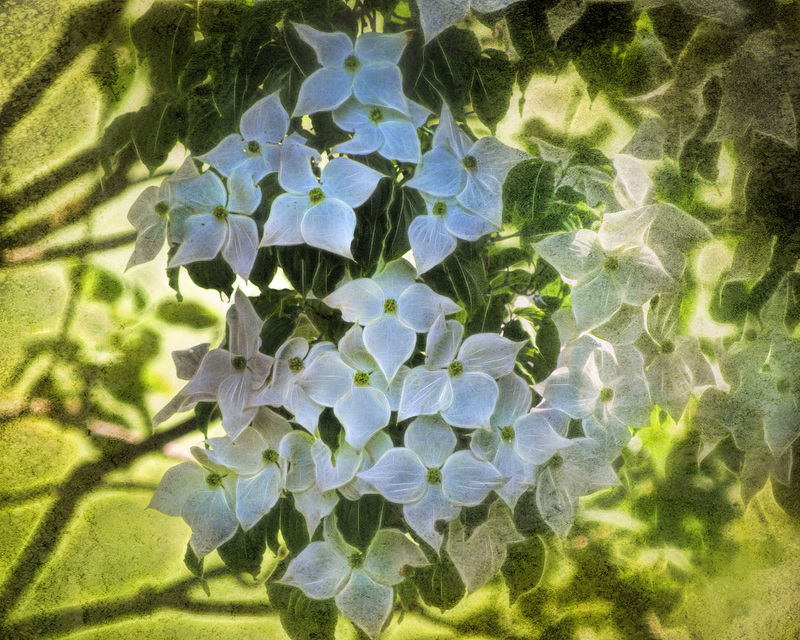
(37,255)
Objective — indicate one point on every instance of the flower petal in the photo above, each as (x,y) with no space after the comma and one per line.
(424,392)
(362,411)
(349,181)
(227,155)
(474,399)
(366,139)
(359,301)
(513,401)
(399,476)
(211,519)
(432,439)
(244,194)
(327,379)
(400,141)
(576,255)
(389,553)
(324,90)
(440,174)
(256,495)
(148,243)
(315,505)
(295,173)
(430,241)
(331,48)
(334,474)
(555,505)
(176,486)
(490,353)
(244,326)
(419,306)
(234,395)
(381,84)
(266,121)
(241,246)
(535,439)
(320,571)
(395,278)
(283,225)
(466,481)
(595,301)
(202,193)
(423,515)
(205,236)
(380,47)
(390,343)
(330,225)
(296,448)
(449,135)
(365,602)
(442,342)
(465,225)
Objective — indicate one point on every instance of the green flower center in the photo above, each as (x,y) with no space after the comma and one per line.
(316,195)
(611,264)
(507,434)
(161,208)
(606,394)
(439,208)
(390,305)
(783,386)
(555,461)
(220,212)
(356,560)
(214,480)
(667,347)
(239,363)
(352,63)
(253,147)
(455,368)
(376,115)
(269,456)
(434,476)
(361,379)
(470,163)
(295,364)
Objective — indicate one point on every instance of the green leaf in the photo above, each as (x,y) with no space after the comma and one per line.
(302,617)
(439,583)
(244,552)
(186,314)
(102,285)
(159,125)
(163,37)
(202,414)
(116,137)
(212,274)
(524,566)
(293,526)
(308,269)
(358,521)
(462,276)
(492,86)
(195,567)
(527,194)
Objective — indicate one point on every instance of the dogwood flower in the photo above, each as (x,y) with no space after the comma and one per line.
(436,17)
(202,494)
(429,479)
(458,382)
(391,133)
(157,214)
(317,212)
(361,583)
(367,71)
(216,225)
(392,308)
(472,173)
(254,456)
(244,159)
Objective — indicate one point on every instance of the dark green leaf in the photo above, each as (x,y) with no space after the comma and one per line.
(163,36)
(244,552)
(492,86)
(102,285)
(302,617)
(358,521)
(202,414)
(292,525)
(213,274)
(523,567)
(195,567)
(462,276)
(159,125)
(117,136)
(187,314)
(439,583)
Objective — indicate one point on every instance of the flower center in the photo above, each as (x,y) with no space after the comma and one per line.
(253,146)
(611,264)
(361,379)
(161,208)
(455,368)
(376,115)
(783,386)
(667,347)
(352,63)
(316,195)
(269,456)
(439,208)
(434,476)
(220,212)
(356,560)
(470,163)
(295,364)
(507,434)
(606,394)
(390,305)
(555,461)
(214,480)
(239,363)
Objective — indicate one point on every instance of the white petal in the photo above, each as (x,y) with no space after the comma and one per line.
(315,505)
(513,401)
(595,301)
(244,194)
(440,174)
(296,448)
(366,139)
(202,194)
(424,392)
(234,395)
(177,485)
(484,196)
(211,519)
(442,342)
(205,235)
(306,411)
(535,440)
(511,466)
(349,181)
(395,278)
(187,361)
(332,476)
(365,602)
(576,255)
(490,353)
(380,47)
(555,506)
(266,121)
(142,213)
(214,368)
(449,135)
(422,515)
(283,225)
(393,390)
(381,84)
(400,141)
(320,571)
(362,411)
(466,225)
(148,243)
(495,159)
(670,383)
(567,391)
(390,343)
(432,439)
(330,225)
(256,495)
(244,326)
(435,17)
(331,48)
(359,301)
(240,248)
(399,476)
(419,306)
(474,399)
(354,352)
(324,90)
(327,379)
(641,275)
(295,173)
(466,481)
(430,241)
(632,186)
(389,553)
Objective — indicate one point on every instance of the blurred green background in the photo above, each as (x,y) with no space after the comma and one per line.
(85,360)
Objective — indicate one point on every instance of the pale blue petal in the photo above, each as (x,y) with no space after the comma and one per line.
(256,495)
(359,301)
(330,225)
(424,392)
(205,235)
(399,476)
(432,439)
(490,353)
(381,84)
(315,505)
(176,486)
(283,225)
(390,343)
(349,181)
(244,326)
(442,342)
(242,244)
(362,411)
(484,443)
(148,243)
(535,439)
(380,47)
(226,156)
(352,115)
(440,174)
(395,278)
(328,379)
(211,519)
(450,136)
(295,173)
(466,481)
(474,398)
(320,571)
(202,194)
(365,602)
(435,16)
(509,465)
(466,225)
(400,141)
(331,48)
(419,306)
(296,448)
(513,401)
(430,241)
(419,114)
(266,121)
(245,196)
(324,90)
(483,195)
(367,139)
(234,395)
(495,160)
(422,515)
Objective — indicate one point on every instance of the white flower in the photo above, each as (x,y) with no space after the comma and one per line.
(204,496)
(367,70)
(392,308)
(245,159)
(429,480)
(215,225)
(360,582)
(473,174)
(317,212)
(436,17)
(458,382)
